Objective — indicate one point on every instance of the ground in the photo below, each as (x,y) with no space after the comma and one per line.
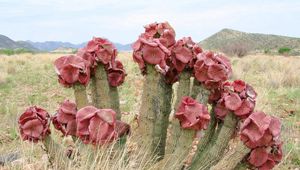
(30,79)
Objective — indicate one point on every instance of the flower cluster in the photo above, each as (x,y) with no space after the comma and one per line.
(72,69)
(65,118)
(192,115)
(91,125)
(261,133)
(237,97)
(34,124)
(212,69)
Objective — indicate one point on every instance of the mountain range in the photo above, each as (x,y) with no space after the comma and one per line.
(218,41)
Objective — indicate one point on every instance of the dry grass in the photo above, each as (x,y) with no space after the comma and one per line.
(29,79)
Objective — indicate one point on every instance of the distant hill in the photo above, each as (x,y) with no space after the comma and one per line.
(252,41)
(7,43)
(53,45)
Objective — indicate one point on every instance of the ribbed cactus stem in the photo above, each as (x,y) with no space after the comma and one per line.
(80,94)
(102,88)
(154,112)
(55,152)
(232,158)
(93,88)
(186,136)
(214,154)
(115,101)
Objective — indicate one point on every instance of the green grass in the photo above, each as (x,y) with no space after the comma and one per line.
(15,51)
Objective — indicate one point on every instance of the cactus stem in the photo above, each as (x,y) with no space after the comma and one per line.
(80,95)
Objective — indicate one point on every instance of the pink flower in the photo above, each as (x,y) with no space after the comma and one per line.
(184,52)
(260,129)
(237,97)
(65,118)
(265,158)
(122,128)
(192,115)
(212,69)
(162,31)
(96,126)
(34,124)
(72,69)
(101,50)
(116,74)
(150,51)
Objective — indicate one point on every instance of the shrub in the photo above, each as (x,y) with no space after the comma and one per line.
(284,50)
(238,49)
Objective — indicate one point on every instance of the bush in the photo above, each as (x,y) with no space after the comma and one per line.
(14,51)
(238,49)
(284,50)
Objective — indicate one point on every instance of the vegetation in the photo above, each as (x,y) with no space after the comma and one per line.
(276,82)
(284,50)
(15,51)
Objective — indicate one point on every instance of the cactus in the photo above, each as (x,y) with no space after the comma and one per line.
(212,122)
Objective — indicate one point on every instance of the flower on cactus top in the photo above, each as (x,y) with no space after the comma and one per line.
(34,124)
(265,158)
(65,118)
(100,50)
(237,97)
(72,69)
(96,126)
(212,69)
(162,31)
(150,51)
(116,73)
(260,129)
(192,115)
(184,52)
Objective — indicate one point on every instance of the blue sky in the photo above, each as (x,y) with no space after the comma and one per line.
(123,20)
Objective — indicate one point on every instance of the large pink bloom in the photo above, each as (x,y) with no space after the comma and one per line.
(192,115)
(260,129)
(72,69)
(116,74)
(237,97)
(96,126)
(150,51)
(184,53)
(65,118)
(34,124)
(212,69)
(162,31)
(101,50)
(265,158)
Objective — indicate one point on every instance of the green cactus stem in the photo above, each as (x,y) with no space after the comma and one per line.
(154,112)
(80,94)
(93,89)
(55,153)
(106,96)
(233,157)
(214,154)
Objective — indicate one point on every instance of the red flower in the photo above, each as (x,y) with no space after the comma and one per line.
(184,51)
(96,126)
(260,129)
(265,158)
(212,69)
(151,51)
(71,69)
(192,115)
(237,97)
(162,31)
(116,73)
(101,49)
(34,124)
(65,118)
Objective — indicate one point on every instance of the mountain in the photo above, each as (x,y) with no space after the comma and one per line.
(53,45)
(8,43)
(252,41)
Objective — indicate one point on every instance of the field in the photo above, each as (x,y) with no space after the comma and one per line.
(29,79)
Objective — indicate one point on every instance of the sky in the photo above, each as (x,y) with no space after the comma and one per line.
(122,21)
